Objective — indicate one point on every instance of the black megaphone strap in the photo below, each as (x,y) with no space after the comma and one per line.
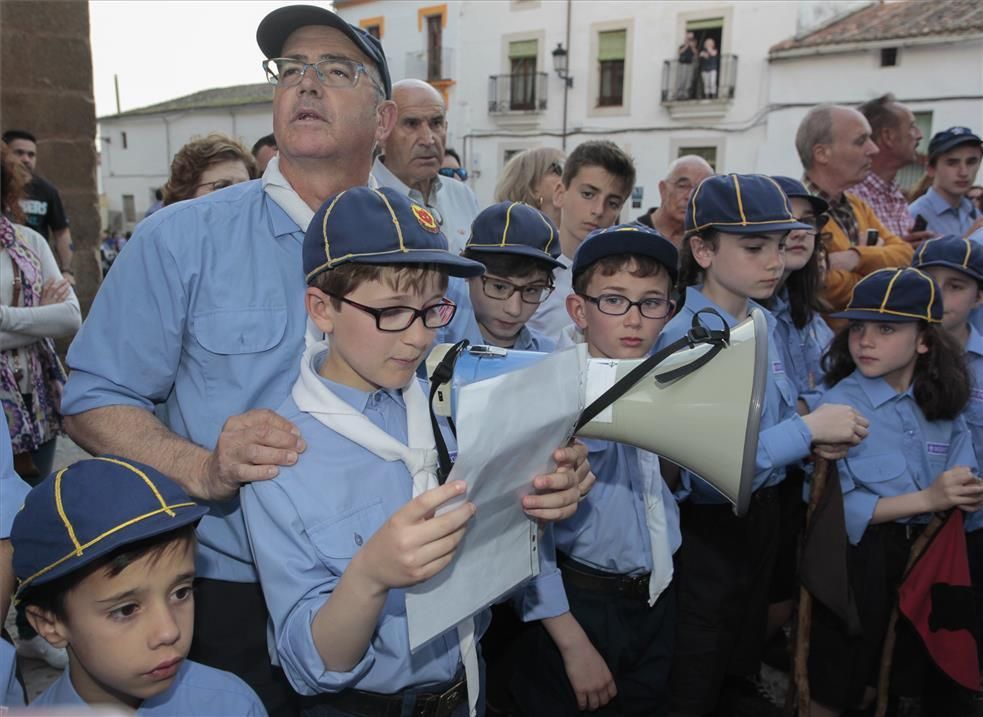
(443,373)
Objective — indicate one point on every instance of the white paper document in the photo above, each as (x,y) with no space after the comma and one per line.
(507,429)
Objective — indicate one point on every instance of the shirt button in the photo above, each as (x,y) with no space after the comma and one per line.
(358,539)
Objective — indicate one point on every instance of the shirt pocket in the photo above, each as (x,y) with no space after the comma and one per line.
(885,474)
(227,343)
(338,539)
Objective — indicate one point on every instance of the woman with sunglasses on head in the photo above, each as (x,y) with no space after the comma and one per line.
(206,165)
(530,177)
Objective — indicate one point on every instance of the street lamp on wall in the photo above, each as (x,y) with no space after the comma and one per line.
(561,64)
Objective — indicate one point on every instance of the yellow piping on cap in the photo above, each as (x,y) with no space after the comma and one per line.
(505,231)
(740,201)
(60,507)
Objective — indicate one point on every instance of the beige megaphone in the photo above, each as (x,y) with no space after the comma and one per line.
(699,406)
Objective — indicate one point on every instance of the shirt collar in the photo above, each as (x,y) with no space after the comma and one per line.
(941,206)
(697,300)
(280,221)
(874,181)
(814,189)
(354,397)
(974,344)
(388,179)
(878,390)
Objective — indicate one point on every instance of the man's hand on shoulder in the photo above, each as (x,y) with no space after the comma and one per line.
(250,448)
(558,493)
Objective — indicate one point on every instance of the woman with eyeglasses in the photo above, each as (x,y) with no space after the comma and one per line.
(206,165)
(531,177)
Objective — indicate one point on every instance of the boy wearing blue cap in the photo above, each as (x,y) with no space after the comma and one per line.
(518,246)
(614,647)
(338,536)
(954,157)
(734,253)
(104,556)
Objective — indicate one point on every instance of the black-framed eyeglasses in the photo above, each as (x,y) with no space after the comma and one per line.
(459,172)
(394,319)
(331,72)
(495,288)
(218,184)
(618,305)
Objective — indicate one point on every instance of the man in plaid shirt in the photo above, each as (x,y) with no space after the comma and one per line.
(895,132)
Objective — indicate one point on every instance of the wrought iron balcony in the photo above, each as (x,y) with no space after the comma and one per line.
(682,82)
(517,93)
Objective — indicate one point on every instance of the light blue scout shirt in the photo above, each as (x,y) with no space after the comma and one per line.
(903,452)
(12,488)
(307,524)
(203,312)
(465,326)
(941,217)
(802,349)
(784,437)
(197,691)
(608,532)
(11,692)
(974,411)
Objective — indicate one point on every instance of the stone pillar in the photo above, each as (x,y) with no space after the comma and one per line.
(46,89)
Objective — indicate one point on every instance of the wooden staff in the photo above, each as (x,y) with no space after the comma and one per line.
(804,625)
(887,652)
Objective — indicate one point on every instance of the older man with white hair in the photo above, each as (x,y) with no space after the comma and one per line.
(684,174)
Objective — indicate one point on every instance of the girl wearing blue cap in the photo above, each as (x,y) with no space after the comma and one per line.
(895,363)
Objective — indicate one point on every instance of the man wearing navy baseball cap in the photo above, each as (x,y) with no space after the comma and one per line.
(104,558)
(953,161)
(338,536)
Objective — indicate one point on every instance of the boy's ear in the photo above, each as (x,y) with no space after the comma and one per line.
(47,625)
(319,308)
(577,308)
(558,193)
(702,251)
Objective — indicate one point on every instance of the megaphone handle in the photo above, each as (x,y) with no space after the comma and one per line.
(442,373)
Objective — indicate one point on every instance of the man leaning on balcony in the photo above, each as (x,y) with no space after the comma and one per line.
(835,146)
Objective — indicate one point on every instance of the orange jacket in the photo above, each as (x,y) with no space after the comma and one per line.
(895,251)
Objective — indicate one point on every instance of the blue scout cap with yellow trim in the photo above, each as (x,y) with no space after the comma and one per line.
(377,226)
(626,239)
(952,252)
(740,204)
(794,189)
(895,295)
(951,138)
(515,228)
(90,509)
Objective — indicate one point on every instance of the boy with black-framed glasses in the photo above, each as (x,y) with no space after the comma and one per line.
(518,246)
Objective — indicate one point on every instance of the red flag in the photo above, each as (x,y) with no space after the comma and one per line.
(937,597)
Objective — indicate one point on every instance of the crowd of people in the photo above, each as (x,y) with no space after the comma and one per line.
(266,482)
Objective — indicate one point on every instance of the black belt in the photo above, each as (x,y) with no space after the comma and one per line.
(373,704)
(908,531)
(629,586)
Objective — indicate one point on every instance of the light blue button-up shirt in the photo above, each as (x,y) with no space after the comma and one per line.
(307,524)
(11,692)
(903,452)
(608,531)
(13,490)
(784,437)
(974,410)
(203,312)
(941,217)
(802,349)
(197,691)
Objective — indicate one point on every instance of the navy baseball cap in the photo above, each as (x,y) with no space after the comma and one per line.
(740,204)
(515,228)
(952,252)
(626,239)
(276,27)
(794,189)
(377,226)
(951,138)
(895,295)
(84,512)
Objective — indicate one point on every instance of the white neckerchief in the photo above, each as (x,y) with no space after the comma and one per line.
(280,191)
(420,457)
(655,510)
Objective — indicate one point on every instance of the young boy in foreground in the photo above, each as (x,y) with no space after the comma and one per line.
(340,535)
(104,554)
(613,650)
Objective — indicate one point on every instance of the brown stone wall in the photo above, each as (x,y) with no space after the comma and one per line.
(46,88)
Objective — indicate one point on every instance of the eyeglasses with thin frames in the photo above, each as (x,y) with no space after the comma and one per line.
(618,305)
(495,288)
(330,72)
(393,319)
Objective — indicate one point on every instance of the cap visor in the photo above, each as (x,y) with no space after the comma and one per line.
(278,25)
(519,250)
(453,265)
(949,265)
(874,315)
(760,227)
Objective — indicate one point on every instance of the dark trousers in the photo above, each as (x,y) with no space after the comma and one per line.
(723,573)
(230,634)
(634,639)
